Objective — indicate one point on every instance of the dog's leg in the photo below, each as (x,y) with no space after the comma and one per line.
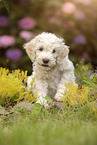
(67,77)
(40,88)
(29,82)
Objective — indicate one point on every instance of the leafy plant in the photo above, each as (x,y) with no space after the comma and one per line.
(4,3)
(12,88)
(79,99)
(83,72)
(74,97)
(88,78)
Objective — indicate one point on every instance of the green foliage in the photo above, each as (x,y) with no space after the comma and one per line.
(83,95)
(92,81)
(87,77)
(12,88)
(74,97)
(79,99)
(49,100)
(82,72)
(4,3)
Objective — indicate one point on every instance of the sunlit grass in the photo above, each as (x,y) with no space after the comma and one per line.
(49,127)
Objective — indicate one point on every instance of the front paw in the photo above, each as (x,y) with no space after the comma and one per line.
(58,97)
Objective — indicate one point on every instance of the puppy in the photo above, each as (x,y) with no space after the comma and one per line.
(51,67)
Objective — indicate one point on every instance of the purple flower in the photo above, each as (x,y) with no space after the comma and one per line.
(77,78)
(13,55)
(68,8)
(80,15)
(95,35)
(85,55)
(26,23)
(80,39)
(56,21)
(6,41)
(90,72)
(85,2)
(68,26)
(58,13)
(26,35)
(23,2)
(3,21)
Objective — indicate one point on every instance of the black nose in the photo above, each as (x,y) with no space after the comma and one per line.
(45,60)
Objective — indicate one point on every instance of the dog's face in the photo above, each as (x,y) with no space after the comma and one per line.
(46,57)
(47,50)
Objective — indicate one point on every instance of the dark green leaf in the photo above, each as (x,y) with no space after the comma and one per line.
(92,76)
(4,3)
(87,82)
(49,100)
(1,4)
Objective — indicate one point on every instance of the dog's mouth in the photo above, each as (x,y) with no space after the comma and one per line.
(45,65)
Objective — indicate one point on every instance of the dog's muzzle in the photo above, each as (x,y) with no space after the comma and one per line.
(45,62)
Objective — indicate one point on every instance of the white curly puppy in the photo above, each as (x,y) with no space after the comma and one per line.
(51,66)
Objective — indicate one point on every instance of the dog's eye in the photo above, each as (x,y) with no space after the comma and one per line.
(53,51)
(41,49)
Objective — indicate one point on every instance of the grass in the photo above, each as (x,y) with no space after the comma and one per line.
(53,126)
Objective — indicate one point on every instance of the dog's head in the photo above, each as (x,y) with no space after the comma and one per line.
(47,50)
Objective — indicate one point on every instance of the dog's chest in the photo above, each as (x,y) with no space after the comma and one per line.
(51,78)
(53,81)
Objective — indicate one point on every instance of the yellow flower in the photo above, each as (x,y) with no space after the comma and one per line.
(73,96)
(12,87)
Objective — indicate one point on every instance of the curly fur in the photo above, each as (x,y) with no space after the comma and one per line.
(51,66)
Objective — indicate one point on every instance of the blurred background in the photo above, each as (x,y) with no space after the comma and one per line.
(74,20)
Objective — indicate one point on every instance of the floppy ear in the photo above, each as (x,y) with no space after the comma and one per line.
(64,50)
(30,49)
